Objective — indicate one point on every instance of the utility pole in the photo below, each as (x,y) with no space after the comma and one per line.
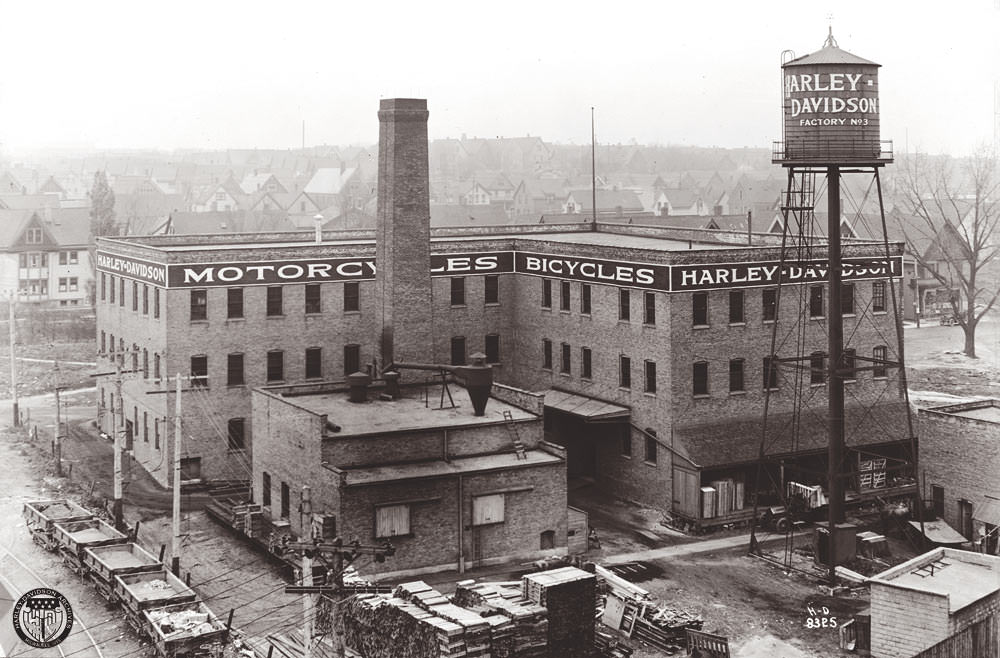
(116,509)
(57,446)
(13,361)
(837,369)
(341,554)
(307,575)
(175,552)
(593,170)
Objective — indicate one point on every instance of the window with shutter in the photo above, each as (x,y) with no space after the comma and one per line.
(392,520)
(488,509)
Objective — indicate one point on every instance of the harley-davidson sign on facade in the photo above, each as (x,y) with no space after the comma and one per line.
(666,278)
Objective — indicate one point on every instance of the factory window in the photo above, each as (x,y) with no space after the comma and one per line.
(111,347)
(352,297)
(236,434)
(493,348)
(627,441)
(199,370)
(879,354)
(770,373)
(104,342)
(265,490)
(313,298)
(878,297)
(736,376)
(565,365)
(145,363)
(286,500)
(699,309)
(458,291)
(546,354)
(145,427)
(850,363)
(392,521)
(564,296)
(145,299)
(135,357)
(492,289)
(352,359)
(546,293)
(651,447)
(487,509)
(104,286)
(736,315)
(816,301)
(817,368)
(135,296)
(156,433)
(624,372)
(624,305)
(700,378)
(649,302)
(769,310)
(121,292)
(847,299)
(585,298)
(156,366)
(275,366)
(650,376)
(274,305)
(585,363)
(234,303)
(314,362)
(112,291)
(199,305)
(458,350)
(234,370)
(156,302)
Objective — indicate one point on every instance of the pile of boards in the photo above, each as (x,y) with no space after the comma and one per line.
(546,614)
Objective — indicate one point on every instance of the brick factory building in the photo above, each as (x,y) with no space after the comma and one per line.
(965,492)
(947,599)
(648,344)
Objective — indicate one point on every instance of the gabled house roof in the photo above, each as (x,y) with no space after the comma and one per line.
(329,180)
(253,183)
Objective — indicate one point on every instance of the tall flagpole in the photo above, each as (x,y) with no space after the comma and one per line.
(593,168)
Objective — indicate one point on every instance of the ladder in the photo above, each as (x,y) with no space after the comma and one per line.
(512,429)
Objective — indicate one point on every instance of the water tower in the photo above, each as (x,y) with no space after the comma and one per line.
(830,128)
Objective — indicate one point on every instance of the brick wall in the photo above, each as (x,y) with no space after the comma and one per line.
(947,441)
(905,621)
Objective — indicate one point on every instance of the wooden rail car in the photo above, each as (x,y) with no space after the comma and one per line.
(42,515)
(150,589)
(103,563)
(73,537)
(184,630)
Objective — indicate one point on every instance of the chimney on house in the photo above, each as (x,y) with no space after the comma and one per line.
(402,233)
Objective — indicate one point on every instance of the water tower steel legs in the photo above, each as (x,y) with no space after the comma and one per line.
(837,367)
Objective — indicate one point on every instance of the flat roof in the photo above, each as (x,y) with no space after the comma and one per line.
(405,413)
(991,414)
(961,576)
(462,465)
(603,239)
(987,410)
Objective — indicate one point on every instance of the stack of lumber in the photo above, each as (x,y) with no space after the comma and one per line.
(568,595)
(723,496)
(382,626)
(520,627)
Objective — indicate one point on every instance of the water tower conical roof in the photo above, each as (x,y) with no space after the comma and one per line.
(831,53)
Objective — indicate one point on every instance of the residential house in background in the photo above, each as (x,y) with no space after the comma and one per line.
(44,256)
(614,202)
(226,196)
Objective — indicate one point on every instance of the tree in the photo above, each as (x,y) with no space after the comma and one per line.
(102,207)
(953,231)
(102,222)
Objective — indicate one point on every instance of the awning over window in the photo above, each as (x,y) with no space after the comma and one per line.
(583,406)
(988,512)
(940,532)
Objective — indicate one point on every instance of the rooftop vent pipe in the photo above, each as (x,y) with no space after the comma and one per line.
(358,385)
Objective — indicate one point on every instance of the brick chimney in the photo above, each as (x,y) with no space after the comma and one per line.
(402,233)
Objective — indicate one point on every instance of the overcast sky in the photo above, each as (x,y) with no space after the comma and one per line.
(245,74)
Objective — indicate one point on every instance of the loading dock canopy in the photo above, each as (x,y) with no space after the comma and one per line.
(988,512)
(584,407)
(939,532)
